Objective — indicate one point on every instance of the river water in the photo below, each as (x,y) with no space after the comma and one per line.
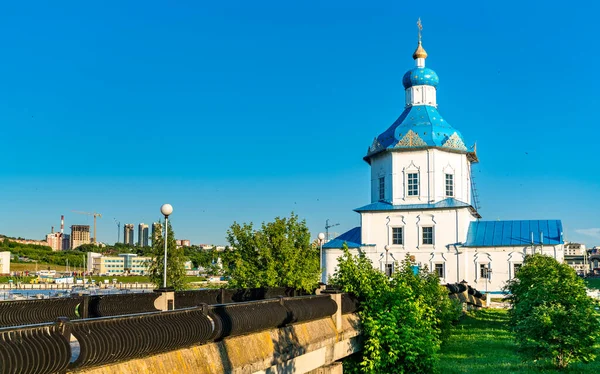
(17,294)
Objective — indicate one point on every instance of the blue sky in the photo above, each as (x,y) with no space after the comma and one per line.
(243,111)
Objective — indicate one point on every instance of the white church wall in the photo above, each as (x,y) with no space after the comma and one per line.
(381,166)
(449,227)
(458,263)
(432,166)
(501,261)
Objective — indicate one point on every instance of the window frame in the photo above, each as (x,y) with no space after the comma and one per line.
(393,236)
(381,188)
(431,240)
(488,274)
(515,267)
(449,187)
(443,269)
(412,184)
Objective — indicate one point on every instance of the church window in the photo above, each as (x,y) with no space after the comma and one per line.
(381,188)
(397,236)
(413,184)
(428,235)
(516,268)
(484,271)
(439,270)
(449,185)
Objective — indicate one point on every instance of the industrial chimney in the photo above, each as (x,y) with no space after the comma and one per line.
(62,225)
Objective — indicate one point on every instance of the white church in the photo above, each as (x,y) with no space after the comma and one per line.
(422,202)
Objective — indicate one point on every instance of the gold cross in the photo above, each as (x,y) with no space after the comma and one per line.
(420,26)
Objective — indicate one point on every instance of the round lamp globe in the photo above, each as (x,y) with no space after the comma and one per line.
(166,209)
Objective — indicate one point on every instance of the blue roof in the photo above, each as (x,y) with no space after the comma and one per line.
(419,126)
(514,233)
(385,206)
(352,238)
(420,76)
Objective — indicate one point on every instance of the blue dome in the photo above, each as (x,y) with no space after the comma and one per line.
(420,76)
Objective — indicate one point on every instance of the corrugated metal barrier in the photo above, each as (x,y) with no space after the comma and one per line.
(46,348)
(27,312)
(116,305)
(35,349)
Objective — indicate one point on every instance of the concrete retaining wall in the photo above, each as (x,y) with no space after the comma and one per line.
(294,349)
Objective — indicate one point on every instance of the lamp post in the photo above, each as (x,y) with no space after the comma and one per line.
(487,272)
(166,210)
(321,240)
(387,248)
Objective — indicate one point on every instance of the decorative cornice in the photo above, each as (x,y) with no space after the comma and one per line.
(375,146)
(411,139)
(454,141)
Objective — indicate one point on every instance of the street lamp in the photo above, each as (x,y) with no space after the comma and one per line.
(166,210)
(387,248)
(487,272)
(321,240)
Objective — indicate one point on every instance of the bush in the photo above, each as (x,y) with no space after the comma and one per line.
(404,318)
(551,314)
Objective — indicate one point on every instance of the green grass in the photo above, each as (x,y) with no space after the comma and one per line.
(30,266)
(482,343)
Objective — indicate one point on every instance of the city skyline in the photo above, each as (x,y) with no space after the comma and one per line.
(259,110)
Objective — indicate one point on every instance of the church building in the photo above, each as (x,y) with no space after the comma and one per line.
(422,202)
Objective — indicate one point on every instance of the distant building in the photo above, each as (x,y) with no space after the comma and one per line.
(576,257)
(55,241)
(124,263)
(143,235)
(183,243)
(128,234)
(5,262)
(66,242)
(80,234)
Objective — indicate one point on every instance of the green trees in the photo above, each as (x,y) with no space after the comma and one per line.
(404,318)
(279,254)
(175,261)
(552,316)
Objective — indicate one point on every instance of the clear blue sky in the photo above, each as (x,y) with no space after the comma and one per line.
(243,111)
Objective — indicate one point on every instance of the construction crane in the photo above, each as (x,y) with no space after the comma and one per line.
(118,230)
(91,214)
(327,227)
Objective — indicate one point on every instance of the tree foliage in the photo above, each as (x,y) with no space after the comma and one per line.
(175,261)
(551,314)
(404,318)
(279,254)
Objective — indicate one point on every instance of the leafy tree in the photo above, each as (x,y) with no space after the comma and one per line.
(404,318)
(551,314)
(277,255)
(175,261)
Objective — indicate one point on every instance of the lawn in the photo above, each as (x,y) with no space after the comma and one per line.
(30,266)
(482,343)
